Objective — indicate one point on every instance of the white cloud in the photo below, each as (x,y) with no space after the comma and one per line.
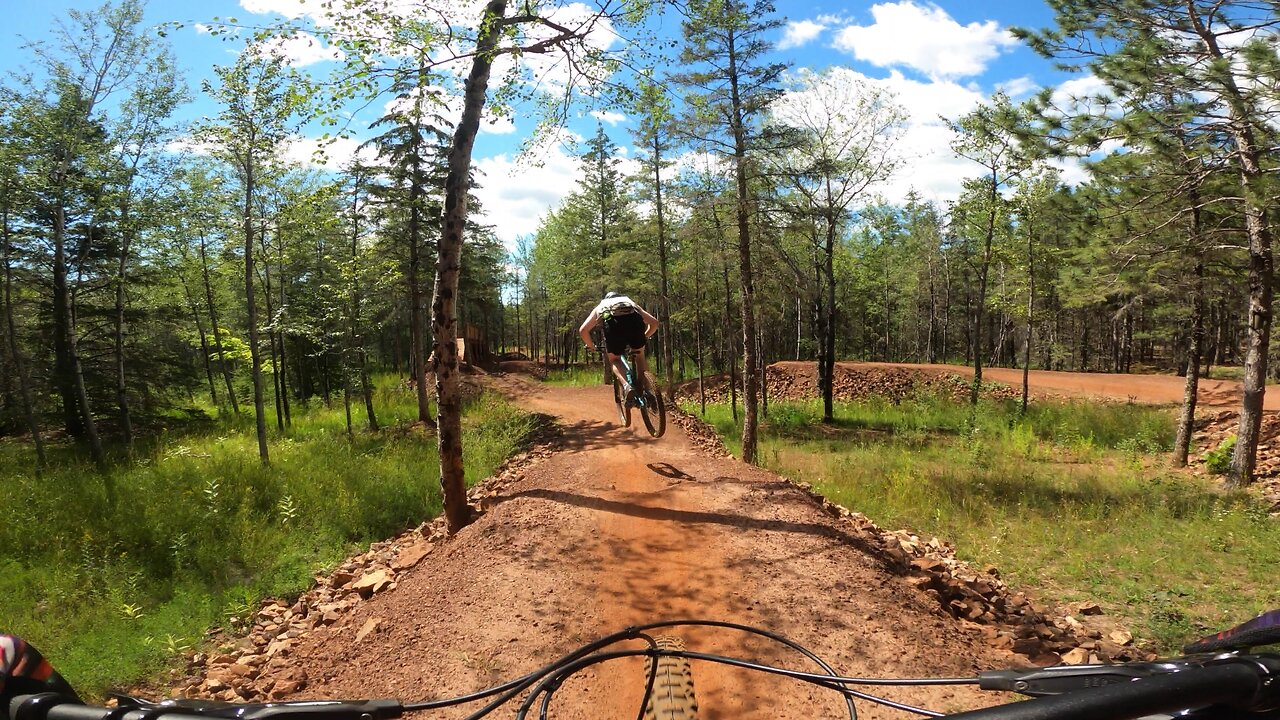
(800,32)
(291,9)
(1018,87)
(332,154)
(1083,95)
(928,165)
(515,194)
(924,38)
(612,118)
(302,49)
(450,108)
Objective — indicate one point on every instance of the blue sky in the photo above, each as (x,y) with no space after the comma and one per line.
(939,58)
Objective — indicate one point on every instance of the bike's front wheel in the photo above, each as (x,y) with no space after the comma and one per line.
(671,696)
(652,409)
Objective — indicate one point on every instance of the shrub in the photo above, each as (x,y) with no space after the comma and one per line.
(1218,460)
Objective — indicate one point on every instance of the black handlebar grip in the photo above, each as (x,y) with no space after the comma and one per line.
(52,706)
(1238,684)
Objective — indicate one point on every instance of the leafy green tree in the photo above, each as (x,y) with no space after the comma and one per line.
(143,129)
(845,145)
(1210,50)
(91,59)
(260,104)
(730,88)
(653,136)
(987,137)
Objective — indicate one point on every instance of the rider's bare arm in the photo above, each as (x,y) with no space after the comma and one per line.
(585,330)
(650,322)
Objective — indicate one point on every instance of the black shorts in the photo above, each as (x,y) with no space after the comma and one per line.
(623,331)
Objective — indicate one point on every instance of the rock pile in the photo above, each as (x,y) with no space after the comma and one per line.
(1073,635)
(797,381)
(701,434)
(1214,429)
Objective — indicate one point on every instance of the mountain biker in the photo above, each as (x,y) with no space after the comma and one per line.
(624,324)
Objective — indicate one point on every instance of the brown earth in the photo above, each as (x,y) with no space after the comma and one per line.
(601,527)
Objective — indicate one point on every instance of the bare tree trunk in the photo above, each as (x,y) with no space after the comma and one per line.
(1031,305)
(204,339)
(981,303)
(417,344)
(284,360)
(697,319)
(1186,420)
(251,312)
(217,333)
(346,399)
(828,359)
(271,337)
(665,305)
(931,351)
(67,320)
(444,305)
(355,339)
(122,389)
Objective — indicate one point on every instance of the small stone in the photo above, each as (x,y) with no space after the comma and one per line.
(1121,637)
(370,625)
(1078,656)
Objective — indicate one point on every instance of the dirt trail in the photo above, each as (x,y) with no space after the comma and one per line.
(617,529)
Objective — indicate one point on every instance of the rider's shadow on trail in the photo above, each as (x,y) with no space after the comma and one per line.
(670,471)
(738,521)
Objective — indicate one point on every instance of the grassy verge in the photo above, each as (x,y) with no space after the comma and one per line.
(1072,502)
(201,530)
(577,375)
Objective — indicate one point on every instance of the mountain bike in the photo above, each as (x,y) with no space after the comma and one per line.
(1218,678)
(643,395)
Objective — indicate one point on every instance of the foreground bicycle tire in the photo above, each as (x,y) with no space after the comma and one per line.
(652,410)
(672,695)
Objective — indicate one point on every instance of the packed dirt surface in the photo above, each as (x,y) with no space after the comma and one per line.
(606,527)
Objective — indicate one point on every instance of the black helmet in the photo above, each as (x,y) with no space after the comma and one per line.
(610,294)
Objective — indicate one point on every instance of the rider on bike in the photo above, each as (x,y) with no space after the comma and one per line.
(625,324)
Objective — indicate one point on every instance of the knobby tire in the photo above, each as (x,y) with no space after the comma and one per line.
(672,696)
(653,412)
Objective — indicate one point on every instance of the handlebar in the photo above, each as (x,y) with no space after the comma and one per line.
(1227,685)
(1242,683)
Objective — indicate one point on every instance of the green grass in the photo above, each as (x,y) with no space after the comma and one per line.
(201,530)
(577,375)
(1073,502)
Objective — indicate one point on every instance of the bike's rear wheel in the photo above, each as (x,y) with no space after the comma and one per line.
(672,695)
(652,410)
(620,399)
